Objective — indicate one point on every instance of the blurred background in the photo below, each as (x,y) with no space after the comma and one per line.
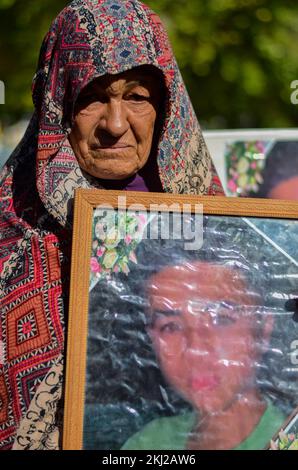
(238,59)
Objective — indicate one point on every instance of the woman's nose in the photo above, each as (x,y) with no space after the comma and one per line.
(114,119)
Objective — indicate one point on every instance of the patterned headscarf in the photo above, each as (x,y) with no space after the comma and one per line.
(91,38)
(88,39)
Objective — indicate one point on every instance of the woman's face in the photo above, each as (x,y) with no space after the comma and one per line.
(203,329)
(114,123)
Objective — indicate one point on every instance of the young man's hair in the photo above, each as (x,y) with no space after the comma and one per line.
(281,165)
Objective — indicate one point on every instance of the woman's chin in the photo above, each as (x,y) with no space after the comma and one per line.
(112,175)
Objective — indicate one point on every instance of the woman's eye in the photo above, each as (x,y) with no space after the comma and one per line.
(136,97)
(89,96)
(171,327)
(93,98)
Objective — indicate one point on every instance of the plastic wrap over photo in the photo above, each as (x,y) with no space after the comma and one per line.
(192,348)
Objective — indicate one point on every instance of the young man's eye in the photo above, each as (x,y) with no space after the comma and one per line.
(225,320)
(171,327)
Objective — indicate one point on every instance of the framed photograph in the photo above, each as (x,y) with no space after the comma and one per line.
(287,437)
(182,328)
(240,157)
(262,168)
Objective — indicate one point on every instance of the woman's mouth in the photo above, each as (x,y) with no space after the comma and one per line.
(106,151)
(111,147)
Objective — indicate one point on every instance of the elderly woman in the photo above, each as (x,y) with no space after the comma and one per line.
(111,111)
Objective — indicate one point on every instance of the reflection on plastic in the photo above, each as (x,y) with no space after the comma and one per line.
(194,349)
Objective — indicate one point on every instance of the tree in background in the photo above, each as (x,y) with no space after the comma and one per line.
(238,57)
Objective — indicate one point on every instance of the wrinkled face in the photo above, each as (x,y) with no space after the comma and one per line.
(203,328)
(286,190)
(114,123)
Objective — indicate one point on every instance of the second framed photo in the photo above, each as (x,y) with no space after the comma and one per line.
(183,329)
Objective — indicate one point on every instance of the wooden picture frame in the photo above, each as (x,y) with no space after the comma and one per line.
(86,201)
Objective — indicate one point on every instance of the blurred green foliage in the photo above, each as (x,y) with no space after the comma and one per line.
(238,57)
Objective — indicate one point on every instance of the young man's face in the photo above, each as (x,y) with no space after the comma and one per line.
(286,190)
(203,328)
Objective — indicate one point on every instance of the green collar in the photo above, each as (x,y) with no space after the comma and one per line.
(171,433)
